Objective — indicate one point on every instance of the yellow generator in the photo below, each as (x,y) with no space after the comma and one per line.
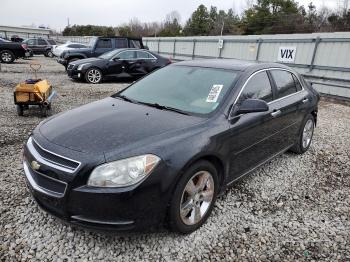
(34,92)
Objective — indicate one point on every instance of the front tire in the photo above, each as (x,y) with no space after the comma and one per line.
(194,198)
(7,57)
(93,76)
(49,53)
(305,135)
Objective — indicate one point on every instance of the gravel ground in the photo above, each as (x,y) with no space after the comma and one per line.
(293,208)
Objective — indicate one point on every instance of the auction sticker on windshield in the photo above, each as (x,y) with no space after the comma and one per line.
(214,93)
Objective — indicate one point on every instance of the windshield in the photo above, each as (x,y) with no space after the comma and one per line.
(190,89)
(109,54)
(92,42)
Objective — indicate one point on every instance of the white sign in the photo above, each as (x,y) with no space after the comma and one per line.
(214,93)
(221,43)
(287,54)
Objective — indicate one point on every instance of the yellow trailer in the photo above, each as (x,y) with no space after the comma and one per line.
(34,92)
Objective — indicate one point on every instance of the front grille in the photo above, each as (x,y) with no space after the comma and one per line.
(43,183)
(51,159)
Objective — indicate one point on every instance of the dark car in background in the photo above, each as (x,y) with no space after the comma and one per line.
(41,46)
(10,51)
(16,38)
(119,63)
(161,150)
(98,46)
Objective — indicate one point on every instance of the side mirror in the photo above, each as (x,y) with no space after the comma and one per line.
(146,47)
(116,58)
(252,106)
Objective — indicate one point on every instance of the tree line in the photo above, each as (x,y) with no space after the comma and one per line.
(260,17)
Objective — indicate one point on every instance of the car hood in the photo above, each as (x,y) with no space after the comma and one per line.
(105,125)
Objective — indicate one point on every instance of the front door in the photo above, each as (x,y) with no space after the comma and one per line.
(253,136)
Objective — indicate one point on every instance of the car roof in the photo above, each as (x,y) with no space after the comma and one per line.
(231,64)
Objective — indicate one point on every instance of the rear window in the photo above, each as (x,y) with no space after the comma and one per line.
(284,83)
(52,42)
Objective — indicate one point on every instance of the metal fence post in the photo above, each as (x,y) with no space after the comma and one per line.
(158,44)
(220,49)
(194,49)
(258,49)
(317,42)
(174,48)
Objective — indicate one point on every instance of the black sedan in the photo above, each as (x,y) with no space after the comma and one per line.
(160,151)
(119,63)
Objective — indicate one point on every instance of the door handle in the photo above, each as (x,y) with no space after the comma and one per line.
(276,113)
(305,100)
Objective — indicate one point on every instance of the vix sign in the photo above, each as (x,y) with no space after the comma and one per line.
(287,54)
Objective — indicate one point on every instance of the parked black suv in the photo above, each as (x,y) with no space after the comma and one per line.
(40,46)
(99,46)
(10,51)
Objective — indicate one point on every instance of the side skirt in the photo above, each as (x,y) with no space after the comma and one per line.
(257,166)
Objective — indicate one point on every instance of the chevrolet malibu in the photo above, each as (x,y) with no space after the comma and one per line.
(161,151)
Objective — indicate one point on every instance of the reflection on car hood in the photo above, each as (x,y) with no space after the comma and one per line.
(110,123)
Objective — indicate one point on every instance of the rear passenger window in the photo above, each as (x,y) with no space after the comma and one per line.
(41,42)
(104,43)
(121,43)
(284,82)
(144,55)
(258,87)
(297,83)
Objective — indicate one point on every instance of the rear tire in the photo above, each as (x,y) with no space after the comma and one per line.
(305,135)
(7,57)
(195,194)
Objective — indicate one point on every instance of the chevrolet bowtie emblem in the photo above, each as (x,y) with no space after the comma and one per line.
(35,165)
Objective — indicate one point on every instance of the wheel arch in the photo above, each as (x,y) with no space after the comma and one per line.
(212,158)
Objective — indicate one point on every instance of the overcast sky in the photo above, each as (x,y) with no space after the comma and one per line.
(110,12)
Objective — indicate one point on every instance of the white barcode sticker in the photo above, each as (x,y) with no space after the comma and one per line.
(214,93)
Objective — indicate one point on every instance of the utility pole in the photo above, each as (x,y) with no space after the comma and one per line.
(68,25)
(222,27)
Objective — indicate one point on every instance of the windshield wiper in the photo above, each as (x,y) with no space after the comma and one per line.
(125,98)
(161,107)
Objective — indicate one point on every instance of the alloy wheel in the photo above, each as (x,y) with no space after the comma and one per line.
(197,197)
(6,57)
(307,133)
(94,76)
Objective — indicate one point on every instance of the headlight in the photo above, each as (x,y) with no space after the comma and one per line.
(124,172)
(82,65)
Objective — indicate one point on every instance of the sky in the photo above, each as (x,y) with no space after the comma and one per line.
(55,13)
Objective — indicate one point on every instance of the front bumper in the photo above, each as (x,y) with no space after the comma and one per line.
(62,61)
(75,74)
(68,198)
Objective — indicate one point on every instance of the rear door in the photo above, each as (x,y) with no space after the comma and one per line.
(102,46)
(253,136)
(42,45)
(293,100)
(146,62)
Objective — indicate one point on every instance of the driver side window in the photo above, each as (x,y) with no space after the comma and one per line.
(258,87)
